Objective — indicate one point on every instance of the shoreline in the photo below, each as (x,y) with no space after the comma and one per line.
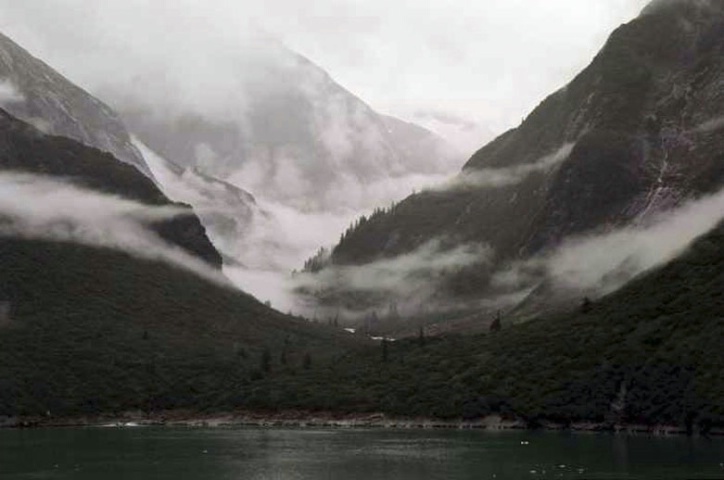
(330,420)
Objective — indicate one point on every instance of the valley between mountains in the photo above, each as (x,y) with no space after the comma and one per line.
(281,246)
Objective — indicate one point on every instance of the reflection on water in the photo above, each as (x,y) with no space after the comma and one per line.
(256,454)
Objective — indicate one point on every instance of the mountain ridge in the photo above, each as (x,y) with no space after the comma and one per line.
(57,106)
(88,328)
(641,125)
(25,149)
(647,355)
(293,116)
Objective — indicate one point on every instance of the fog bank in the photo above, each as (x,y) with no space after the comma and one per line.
(45,208)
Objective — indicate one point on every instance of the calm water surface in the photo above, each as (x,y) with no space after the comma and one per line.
(254,454)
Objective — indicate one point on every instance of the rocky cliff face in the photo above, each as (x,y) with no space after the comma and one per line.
(32,91)
(637,132)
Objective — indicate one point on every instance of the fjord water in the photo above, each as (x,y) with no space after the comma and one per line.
(256,454)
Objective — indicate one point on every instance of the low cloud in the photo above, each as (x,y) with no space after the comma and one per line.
(353,199)
(503,177)
(710,125)
(273,286)
(445,118)
(596,264)
(467,135)
(294,237)
(9,93)
(45,208)
(609,261)
(604,263)
(412,281)
(264,239)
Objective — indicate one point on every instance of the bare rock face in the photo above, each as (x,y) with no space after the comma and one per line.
(53,107)
(35,93)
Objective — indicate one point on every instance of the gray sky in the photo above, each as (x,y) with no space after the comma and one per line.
(482,65)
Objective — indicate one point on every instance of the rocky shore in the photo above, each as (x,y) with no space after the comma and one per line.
(302,419)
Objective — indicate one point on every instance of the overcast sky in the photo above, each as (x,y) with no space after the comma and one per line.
(483,62)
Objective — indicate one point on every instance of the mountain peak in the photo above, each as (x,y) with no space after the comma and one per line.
(636,134)
(281,126)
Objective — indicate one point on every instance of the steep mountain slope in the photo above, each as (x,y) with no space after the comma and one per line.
(25,149)
(87,329)
(637,132)
(649,354)
(285,130)
(227,212)
(32,91)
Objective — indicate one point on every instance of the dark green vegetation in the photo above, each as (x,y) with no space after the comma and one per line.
(25,149)
(90,331)
(86,330)
(649,354)
(98,331)
(636,117)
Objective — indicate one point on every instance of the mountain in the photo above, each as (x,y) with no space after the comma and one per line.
(644,357)
(637,133)
(267,144)
(24,149)
(108,325)
(228,213)
(278,126)
(88,331)
(32,91)
(100,326)
(96,314)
